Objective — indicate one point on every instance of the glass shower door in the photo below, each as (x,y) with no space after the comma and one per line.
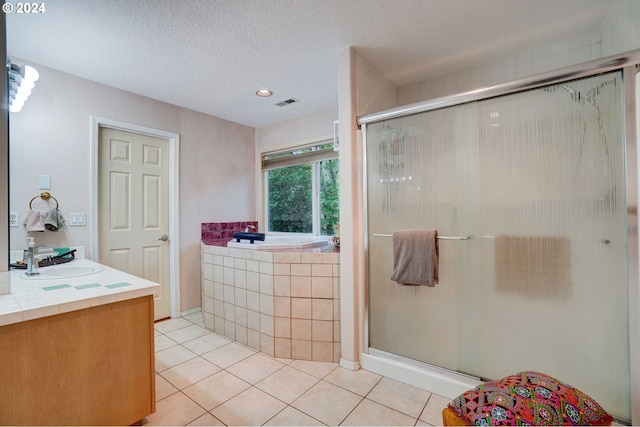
(536,179)
(418,174)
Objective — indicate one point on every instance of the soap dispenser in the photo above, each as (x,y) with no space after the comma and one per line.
(32,264)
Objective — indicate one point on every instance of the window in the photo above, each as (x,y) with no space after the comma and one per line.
(302,189)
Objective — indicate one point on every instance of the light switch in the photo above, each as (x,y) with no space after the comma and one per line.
(77,219)
(44,182)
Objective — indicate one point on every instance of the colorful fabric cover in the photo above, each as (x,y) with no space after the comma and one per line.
(528,398)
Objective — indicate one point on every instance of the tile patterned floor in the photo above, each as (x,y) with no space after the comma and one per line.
(204,379)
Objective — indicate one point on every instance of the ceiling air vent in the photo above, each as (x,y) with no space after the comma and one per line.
(287,102)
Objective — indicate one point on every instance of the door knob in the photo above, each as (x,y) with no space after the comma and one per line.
(164,238)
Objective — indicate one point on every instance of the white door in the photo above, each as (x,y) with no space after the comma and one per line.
(133,206)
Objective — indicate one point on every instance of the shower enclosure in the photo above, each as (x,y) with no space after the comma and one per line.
(531,186)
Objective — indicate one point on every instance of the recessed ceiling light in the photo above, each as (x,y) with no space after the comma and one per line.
(264,92)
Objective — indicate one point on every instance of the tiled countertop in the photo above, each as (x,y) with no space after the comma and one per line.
(34,298)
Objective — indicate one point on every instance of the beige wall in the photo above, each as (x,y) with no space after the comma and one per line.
(362,90)
(289,133)
(51,136)
(619,30)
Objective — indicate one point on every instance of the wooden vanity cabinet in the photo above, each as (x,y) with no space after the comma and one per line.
(93,366)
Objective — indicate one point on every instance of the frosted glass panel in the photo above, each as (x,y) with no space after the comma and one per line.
(537,180)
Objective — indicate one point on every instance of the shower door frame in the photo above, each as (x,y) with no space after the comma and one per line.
(450,383)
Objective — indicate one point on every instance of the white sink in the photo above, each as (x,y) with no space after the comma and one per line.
(63,272)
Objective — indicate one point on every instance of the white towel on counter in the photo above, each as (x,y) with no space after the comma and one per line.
(54,220)
(415,257)
(35,220)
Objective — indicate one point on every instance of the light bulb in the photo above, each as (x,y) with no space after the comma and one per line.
(31,73)
(264,92)
(27,84)
(16,106)
(23,93)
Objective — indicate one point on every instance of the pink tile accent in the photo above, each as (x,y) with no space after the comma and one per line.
(223,230)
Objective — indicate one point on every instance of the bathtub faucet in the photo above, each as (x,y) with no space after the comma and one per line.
(250,228)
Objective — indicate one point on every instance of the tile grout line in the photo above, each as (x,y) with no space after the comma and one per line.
(354,408)
(381,404)
(200,406)
(397,410)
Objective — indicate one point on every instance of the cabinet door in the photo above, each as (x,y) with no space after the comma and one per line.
(87,367)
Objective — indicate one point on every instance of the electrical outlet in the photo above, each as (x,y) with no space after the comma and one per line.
(14,218)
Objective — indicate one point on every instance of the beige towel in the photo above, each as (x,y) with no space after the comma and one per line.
(415,257)
(35,220)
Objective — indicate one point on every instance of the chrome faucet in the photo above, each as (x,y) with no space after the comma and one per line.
(250,228)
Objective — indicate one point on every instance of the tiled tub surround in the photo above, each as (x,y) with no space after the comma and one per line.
(284,304)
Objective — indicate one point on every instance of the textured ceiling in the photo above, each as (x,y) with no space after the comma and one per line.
(212,55)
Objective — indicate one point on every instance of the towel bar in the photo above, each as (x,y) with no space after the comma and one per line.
(439,237)
(44,196)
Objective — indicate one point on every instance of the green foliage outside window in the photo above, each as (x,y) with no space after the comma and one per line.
(291,198)
(329,197)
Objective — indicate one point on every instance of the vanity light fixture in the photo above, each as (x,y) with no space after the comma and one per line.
(264,93)
(21,82)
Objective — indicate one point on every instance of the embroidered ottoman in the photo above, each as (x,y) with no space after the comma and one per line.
(527,398)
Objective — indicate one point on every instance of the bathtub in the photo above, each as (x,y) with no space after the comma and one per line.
(280,242)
